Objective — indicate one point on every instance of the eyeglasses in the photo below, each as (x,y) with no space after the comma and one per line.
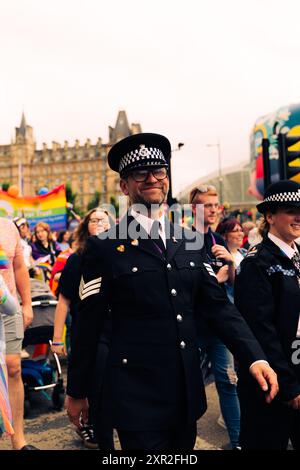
(201,189)
(237,230)
(95,221)
(142,175)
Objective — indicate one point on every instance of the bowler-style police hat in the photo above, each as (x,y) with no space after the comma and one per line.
(139,152)
(283,193)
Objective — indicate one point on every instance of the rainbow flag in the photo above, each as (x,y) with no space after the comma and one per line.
(49,208)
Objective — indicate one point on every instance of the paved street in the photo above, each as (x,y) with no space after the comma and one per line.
(50,430)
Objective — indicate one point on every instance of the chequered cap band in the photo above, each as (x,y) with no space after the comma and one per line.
(284,197)
(143,155)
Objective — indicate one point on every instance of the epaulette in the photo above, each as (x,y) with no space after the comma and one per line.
(252,251)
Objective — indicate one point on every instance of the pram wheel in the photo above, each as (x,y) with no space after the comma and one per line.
(58,396)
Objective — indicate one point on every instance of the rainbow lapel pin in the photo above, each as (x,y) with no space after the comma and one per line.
(121,248)
(135,242)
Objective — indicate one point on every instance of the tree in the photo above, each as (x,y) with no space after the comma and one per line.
(71,198)
(114,203)
(5,185)
(94,202)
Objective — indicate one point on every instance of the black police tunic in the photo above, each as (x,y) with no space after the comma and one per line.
(153,376)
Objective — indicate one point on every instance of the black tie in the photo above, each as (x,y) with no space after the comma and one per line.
(296,263)
(155,237)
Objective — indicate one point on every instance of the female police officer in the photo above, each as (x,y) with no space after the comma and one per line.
(268,296)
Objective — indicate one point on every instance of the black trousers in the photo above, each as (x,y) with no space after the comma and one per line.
(102,427)
(266,426)
(180,439)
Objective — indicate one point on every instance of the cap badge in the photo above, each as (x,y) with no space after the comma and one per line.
(143,152)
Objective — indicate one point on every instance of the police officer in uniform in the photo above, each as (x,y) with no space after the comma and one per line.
(154,287)
(267,293)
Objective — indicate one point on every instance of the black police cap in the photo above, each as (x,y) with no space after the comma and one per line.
(139,151)
(282,193)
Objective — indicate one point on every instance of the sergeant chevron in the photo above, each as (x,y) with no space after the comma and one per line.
(89,288)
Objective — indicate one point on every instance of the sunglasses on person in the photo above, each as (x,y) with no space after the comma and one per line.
(142,175)
(203,188)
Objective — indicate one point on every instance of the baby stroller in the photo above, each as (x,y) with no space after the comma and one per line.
(40,374)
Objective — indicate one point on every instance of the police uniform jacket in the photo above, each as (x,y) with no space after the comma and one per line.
(153,370)
(267,294)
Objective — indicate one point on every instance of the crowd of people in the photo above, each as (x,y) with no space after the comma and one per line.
(137,313)
(39,254)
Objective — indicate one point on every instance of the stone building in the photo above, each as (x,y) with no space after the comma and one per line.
(84,166)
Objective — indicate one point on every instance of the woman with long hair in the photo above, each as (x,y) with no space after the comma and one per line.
(43,244)
(267,293)
(94,222)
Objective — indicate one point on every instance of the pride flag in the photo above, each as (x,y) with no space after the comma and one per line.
(49,208)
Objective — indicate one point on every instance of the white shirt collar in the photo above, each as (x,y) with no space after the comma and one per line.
(146,223)
(288,250)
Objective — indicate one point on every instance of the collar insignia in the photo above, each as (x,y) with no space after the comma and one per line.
(252,251)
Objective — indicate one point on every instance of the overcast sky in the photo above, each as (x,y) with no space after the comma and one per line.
(193,70)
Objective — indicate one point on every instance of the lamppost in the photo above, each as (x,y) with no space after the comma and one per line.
(218,145)
(170,199)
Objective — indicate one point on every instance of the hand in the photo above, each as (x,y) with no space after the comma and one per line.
(220,252)
(37,271)
(27,315)
(222,274)
(77,408)
(266,378)
(59,350)
(294,403)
